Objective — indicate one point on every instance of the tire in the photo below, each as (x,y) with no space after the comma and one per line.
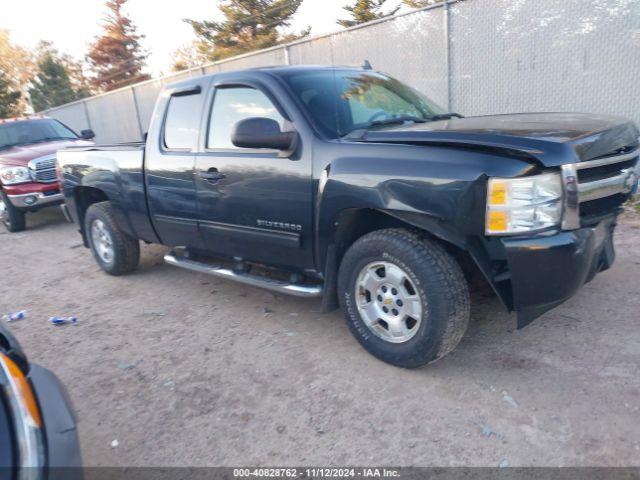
(12,218)
(426,296)
(116,252)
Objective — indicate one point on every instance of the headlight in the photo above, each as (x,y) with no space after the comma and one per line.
(522,205)
(13,175)
(26,415)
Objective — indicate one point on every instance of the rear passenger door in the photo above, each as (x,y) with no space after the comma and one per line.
(253,203)
(169,167)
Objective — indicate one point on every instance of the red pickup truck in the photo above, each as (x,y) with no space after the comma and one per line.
(28,180)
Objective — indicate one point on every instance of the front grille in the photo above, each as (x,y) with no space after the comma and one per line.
(599,187)
(604,171)
(44,170)
(592,211)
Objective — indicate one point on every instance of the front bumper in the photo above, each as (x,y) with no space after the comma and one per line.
(34,195)
(35,200)
(548,270)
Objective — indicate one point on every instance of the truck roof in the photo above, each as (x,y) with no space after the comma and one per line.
(274,69)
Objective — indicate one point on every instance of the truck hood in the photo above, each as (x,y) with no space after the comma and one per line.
(551,138)
(21,155)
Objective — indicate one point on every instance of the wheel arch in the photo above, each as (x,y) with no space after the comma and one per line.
(84,197)
(353,223)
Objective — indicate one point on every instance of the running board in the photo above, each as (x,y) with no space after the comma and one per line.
(308,291)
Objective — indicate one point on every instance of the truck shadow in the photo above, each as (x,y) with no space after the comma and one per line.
(489,319)
(45,218)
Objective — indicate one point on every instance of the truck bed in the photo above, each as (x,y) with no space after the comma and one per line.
(117,171)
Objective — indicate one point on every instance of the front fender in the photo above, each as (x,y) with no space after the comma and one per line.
(446,198)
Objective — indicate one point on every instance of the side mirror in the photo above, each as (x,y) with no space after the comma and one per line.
(87,134)
(260,132)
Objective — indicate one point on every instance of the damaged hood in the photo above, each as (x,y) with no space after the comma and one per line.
(551,138)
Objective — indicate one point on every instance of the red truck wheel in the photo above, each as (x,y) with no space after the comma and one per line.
(12,218)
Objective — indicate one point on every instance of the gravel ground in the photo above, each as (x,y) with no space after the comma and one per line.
(183,369)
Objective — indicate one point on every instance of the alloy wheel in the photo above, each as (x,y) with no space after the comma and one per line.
(102,241)
(388,302)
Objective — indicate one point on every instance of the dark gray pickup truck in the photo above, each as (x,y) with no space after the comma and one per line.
(346,184)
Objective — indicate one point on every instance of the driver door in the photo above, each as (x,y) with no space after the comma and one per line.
(252,203)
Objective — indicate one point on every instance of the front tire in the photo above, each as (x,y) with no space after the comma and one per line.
(404,297)
(13,219)
(116,252)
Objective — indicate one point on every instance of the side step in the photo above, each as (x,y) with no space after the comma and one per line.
(309,291)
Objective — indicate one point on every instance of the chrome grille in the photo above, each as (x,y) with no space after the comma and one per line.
(43,170)
(598,187)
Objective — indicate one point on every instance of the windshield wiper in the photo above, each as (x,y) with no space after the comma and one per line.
(31,142)
(9,145)
(395,121)
(51,139)
(385,121)
(444,116)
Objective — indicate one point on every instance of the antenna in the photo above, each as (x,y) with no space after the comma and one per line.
(367,65)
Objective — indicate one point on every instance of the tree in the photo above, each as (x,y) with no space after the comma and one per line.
(249,25)
(52,85)
(17,69)
(77,76)
(9,98)
(420,3)
(188,56)
(365,11)
(117,58)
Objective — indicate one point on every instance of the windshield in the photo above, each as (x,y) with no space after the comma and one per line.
(340,101)
(26,132)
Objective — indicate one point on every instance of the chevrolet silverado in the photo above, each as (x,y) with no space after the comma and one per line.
(346,184)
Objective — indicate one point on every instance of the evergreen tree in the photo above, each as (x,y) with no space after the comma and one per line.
(420,3)
(77,76)
(363,11)
(9,98)
(117,58)
(52,84)
(249,25)
(186,57)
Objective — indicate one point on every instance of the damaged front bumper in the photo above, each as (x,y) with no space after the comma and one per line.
(545,271)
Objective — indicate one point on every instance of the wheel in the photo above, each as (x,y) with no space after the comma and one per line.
(12,218)
(404,297)
(116,252)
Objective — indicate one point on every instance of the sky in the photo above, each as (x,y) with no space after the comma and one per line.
(72,24)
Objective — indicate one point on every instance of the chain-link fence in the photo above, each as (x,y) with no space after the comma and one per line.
(474,56)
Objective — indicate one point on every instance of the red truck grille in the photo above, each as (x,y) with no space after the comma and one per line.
(43,170)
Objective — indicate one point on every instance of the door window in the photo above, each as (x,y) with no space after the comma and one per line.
(181,124)
(231,105)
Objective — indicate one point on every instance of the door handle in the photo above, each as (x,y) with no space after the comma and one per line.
(211,175)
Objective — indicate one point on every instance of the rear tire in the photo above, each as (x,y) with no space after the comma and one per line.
(404,297)
(116,252)
(13,219)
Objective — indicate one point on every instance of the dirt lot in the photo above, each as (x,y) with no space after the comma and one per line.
(183,369)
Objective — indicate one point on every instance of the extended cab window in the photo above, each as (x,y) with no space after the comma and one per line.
(231,105)
(182,122)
